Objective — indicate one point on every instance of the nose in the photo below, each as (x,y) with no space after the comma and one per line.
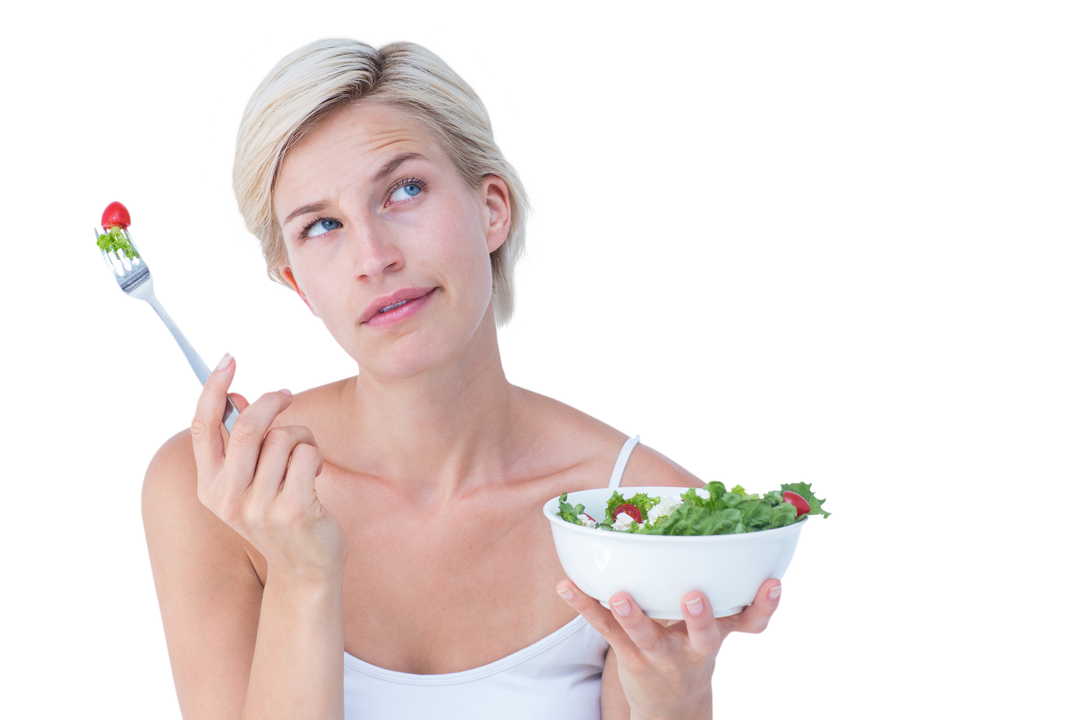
(375,250)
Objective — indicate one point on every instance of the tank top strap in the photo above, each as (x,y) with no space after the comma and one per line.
(620,464)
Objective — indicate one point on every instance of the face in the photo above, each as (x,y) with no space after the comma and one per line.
(385,242)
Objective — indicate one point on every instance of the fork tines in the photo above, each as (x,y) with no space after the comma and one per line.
(120,268)
(126,273)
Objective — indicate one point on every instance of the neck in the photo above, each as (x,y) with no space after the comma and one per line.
(438,434)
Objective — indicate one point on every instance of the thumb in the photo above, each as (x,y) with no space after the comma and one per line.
(239,401)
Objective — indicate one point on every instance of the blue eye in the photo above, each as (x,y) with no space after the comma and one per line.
(323,225)
(406,191)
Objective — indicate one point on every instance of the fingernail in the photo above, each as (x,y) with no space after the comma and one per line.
(285,392)
(695,606)
(622,607)
(566,593)
(774,592)
(224,362)
(224,358)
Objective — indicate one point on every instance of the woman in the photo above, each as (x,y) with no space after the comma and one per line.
(393,518)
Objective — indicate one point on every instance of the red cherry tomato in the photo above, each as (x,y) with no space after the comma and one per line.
(115,215)
(631,510)
(801,506)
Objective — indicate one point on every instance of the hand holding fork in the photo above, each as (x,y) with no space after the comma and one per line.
(264,491)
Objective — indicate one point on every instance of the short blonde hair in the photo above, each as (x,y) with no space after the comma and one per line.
(318,78)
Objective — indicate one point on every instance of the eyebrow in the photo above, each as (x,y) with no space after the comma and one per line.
(389,167)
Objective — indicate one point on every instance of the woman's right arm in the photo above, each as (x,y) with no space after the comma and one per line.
(239,649)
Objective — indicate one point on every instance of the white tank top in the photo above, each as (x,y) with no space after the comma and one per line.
(557,677)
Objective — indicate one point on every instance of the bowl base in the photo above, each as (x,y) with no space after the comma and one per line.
(676,613)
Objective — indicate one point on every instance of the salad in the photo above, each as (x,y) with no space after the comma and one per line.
(115,221)
(712,510)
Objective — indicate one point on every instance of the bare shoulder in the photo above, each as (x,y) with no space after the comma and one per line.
(587,440)
(650,467)
(318,408)
(171,478)
(199,562)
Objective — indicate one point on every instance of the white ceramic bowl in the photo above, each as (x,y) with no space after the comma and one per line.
(658,570)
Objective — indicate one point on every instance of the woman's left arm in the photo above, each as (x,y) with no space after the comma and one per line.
(665,672)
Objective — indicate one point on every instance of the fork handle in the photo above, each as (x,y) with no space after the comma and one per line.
(201,370)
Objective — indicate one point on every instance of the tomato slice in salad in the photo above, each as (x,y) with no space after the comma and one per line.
(632,511)
(801,506)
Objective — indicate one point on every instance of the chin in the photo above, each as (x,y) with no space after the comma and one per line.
(406,358)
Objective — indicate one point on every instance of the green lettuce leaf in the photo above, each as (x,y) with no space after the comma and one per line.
(569,512)
(712,510)
(115,241)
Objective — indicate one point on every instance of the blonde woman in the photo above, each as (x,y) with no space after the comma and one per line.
(374,548)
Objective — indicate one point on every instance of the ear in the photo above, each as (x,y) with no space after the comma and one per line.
(287,273)
(495,195)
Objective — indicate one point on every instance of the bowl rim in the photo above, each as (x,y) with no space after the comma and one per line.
(553,518)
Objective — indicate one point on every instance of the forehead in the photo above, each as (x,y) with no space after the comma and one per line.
(361,126)
(350,144)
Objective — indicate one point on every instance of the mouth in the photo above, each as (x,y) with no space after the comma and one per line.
(388,308)
(394,303)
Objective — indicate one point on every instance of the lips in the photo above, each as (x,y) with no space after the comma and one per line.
(386,303)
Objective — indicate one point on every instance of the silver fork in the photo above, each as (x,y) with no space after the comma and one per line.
(133,277)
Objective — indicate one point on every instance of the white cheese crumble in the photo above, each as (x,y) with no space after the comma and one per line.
(665,507)
(623,522)
(587,521)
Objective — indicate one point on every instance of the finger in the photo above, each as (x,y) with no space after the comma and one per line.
(755,618)
(240,403)
(278,446)
(702,630)
(645,632)
(305,463)
(246,440)
(601,620)
(205,434)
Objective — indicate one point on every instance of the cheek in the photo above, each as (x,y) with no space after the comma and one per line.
(470,247)
(317,290)
(466,252)
(327,299)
